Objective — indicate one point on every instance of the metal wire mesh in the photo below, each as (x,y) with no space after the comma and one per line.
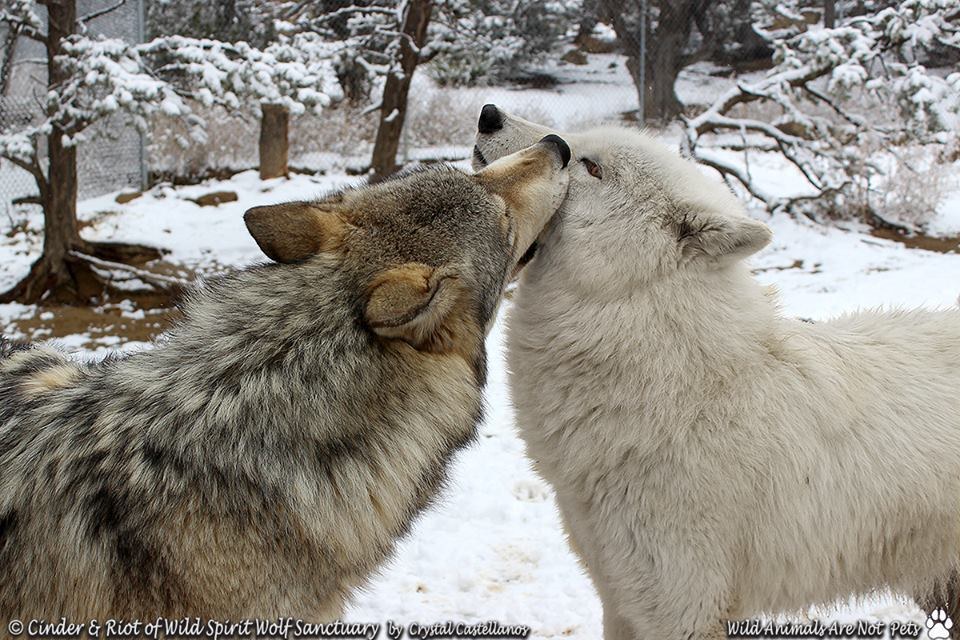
(112,157)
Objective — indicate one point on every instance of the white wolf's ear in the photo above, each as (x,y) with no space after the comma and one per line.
(294,231)
(720,237)
(410,302)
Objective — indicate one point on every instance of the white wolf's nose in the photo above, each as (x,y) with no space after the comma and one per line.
(491,120)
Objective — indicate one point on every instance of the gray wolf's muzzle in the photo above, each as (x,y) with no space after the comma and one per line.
(561,147)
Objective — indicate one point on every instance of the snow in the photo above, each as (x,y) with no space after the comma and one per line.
(846,270)
(586,95)
(947,219)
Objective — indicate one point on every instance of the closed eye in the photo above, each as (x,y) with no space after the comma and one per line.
(593,168)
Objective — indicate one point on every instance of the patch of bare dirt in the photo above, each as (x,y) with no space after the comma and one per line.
(796,264)
(140,317)
(118,317)
(919,241)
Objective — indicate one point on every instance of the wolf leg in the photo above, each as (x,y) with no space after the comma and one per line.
(945,596)
(714,633)
(579,537)
(615,626)
(688,600)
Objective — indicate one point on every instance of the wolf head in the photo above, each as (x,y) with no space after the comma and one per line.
(635,211)
(430,252)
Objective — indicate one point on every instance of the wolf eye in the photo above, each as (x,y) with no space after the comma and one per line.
(592,168)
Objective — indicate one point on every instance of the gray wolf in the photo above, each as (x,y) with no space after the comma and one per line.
(713,459)
(264,457)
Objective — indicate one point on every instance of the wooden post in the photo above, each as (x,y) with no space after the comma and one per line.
(274,141)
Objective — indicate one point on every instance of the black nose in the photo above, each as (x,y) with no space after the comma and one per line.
(490,119)
(562,147)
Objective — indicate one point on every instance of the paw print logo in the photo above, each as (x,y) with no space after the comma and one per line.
(939,625)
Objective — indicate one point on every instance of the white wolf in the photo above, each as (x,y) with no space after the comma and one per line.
(713,459)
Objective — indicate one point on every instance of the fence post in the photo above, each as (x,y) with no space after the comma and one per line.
(141,37)
(643,62)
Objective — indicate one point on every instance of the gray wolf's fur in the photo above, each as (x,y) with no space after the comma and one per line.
(713,459)
(265,456)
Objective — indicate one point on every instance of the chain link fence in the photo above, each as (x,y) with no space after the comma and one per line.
(113,157)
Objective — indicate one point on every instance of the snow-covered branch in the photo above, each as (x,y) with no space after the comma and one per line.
(296,72)
(109,76)
(20,17)
(821,81)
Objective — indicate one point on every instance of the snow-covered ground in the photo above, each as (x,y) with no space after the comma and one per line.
(492,548)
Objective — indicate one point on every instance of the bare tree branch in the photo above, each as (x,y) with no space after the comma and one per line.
(153,279)
(855,120)
(22,28)
(32,167)
(866,56)
(93,15)
(727,169)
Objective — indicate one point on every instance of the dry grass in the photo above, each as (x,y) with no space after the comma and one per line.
(902,184)
(230,142)
(339,136)
(914,187)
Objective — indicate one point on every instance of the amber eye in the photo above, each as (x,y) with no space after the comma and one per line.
(592,168)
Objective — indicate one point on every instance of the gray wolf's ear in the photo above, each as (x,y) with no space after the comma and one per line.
(721,237)
(410,302)
(294,231)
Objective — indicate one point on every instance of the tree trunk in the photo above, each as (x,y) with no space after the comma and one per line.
(588,22)
(628,33)
(830,13)
(665,59)
(663,68)
(393,108)
(664,54)
(60,228)
(753,51)
(274,141)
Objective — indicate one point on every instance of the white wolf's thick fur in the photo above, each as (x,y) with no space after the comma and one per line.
(713,459)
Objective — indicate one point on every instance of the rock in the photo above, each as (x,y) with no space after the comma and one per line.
(593,44)
(215,198)
(811,16)
(796,129)
(124,198)
(575,56)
